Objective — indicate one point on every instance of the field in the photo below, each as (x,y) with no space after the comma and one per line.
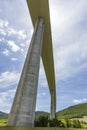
(3,122)
(83,119)
(14,128)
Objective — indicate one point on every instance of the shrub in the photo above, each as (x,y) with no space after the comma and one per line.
(41,121)
(56,123)
(68,123)
(76,124)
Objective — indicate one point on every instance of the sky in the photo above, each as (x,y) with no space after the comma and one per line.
(69,37)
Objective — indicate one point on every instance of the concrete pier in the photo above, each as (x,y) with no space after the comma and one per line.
(53,108)
(23,108)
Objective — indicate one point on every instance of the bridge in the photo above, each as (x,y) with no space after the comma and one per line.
(24,104)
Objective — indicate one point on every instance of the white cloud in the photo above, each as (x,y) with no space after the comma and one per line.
(13,46)
(7,79)
(2,32)
(22,50)
(23,45)
(3,26)
(3,23)
(8,31)
(22,34)
(11,31)
(14,59)
(1,39)
(78,101)
(6,100)
(5,29)
(19,33)
(6,52)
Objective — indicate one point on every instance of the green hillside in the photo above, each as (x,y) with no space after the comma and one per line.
(40,113)
(3,115)
(76,111)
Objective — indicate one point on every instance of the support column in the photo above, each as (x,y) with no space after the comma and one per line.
(23,108)
(53,109)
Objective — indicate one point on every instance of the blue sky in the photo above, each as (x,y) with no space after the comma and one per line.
(69,34)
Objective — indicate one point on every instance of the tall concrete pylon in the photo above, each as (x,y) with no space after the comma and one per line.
(23,108)
(53,108)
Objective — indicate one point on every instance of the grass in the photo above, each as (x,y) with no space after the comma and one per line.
(3,126)
(3,122)
(77,111)
(41,128)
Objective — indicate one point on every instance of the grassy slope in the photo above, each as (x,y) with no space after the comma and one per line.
(3,122)
(73,111)
(76,111)
(39,113)
(3,115)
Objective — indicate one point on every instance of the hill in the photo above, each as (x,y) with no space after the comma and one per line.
(39,113)
(77,111)
(3,115)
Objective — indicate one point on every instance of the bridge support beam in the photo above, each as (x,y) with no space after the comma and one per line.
(23,108)
(53,108)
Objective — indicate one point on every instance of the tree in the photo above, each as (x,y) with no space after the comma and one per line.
(41,121)
(56,123)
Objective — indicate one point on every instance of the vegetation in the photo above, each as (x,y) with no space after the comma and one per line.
(44,121)
(77,111)
(41,121)
(41,113)
(67,118)
(56,123)
(3,115)
(40,128)
(3,122)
